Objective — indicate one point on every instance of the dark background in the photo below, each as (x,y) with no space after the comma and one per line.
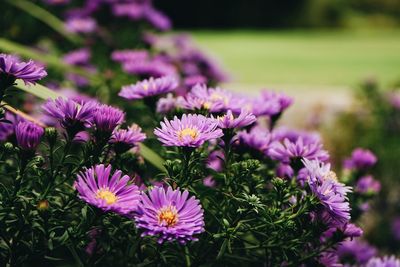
(276,13)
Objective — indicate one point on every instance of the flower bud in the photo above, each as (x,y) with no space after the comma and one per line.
(51,135)
(42,205)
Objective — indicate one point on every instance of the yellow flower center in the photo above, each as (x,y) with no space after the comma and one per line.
(168,215)
(193,133)
(108,196)
(145,86)
(331,176)
(224,116)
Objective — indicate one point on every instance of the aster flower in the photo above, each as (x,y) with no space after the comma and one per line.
(124,56)
(150,68)
(228,121)
(28,135)
(11,68)
(331,193)
(386,261)
(115,193)
(78,57)
(287,151)
(124,139)
(212,99)
(170,215)
(148,88)
(7,127)
(281,101)
(72,116)
(367,184)
(356,250)
(107,118)
(157,19)
(190,131)
(166,104)
(258,138)
(360,159)
(81,25)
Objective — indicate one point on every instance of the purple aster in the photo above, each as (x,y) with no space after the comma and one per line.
(134,11)
(78,57)
(7,128)
(191,131)
(287,151)
(157,19)
(124,56)
(282,133)
(170,215)
(360,159)
(386,261)
(166,104)
(115,193)
(228,121)
(148,88)
(331,193)
(212,99)
(28,135)
(107,118)
(329,259)
(125,139)
(356,251)
(193,80)
(72,116)
(258,138)
(81,25)
(215,160)
(11,68)
(209,181)
(150,68)
(282,101)
(367,184)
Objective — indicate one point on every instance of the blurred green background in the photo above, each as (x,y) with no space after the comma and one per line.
(323,58)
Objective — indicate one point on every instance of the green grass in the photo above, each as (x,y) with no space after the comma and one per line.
(305,58)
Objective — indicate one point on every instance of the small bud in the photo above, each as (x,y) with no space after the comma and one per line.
(51,135)
(226,223)
(43,205)
(9,147)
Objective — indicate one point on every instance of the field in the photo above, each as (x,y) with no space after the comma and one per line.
(305,59)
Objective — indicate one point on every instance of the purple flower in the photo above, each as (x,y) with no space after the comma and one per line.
(331,193)
(394,99)
(360,159)
(228,121)
(209,181)
(215,160)
(258,138)
(7,128)
(11,68)
(124,56)
(81,25)
(134,11)
(150,68)
(28,135)
(124,139)
(356,250)
(170,215)
(72,116)
(367,184)
(148,88)
(329,259)
(287,151)
(115,193)
(107,118)
(212,99)
(191,131)
(282,101)
(157,19)
(386,261)
(78,57)
(166,104)
(351,230)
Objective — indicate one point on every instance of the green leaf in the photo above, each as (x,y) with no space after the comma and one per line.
(46,17)
(152,157)
(37,90)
